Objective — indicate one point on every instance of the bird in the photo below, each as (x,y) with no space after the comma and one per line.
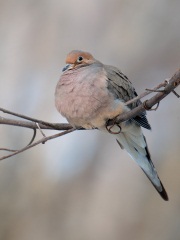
(90,93)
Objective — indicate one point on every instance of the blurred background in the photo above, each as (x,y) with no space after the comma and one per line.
(83,186)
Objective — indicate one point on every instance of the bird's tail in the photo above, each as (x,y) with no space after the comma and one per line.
(135,144)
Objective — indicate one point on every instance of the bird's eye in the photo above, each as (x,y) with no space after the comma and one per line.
(80,58)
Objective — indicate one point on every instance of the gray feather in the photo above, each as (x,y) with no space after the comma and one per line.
(123,89)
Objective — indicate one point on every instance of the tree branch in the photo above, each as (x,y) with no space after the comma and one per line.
(32,124)
(42,140)
(148,104)
(35,124)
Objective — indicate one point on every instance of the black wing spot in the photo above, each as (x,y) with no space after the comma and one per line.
(142,121)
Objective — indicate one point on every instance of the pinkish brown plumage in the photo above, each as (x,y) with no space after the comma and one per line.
(82,101)
(90,93)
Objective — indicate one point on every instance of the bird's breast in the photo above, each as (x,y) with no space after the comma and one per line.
(83,98)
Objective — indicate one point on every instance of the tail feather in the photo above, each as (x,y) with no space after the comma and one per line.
(135,144)
(161,191)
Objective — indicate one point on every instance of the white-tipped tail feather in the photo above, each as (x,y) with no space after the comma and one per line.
(133,140)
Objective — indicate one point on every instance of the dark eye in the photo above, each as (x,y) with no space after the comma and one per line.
(80,58)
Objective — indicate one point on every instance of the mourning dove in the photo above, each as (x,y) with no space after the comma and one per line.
(90,93)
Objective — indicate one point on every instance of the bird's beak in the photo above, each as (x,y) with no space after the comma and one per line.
(67,67)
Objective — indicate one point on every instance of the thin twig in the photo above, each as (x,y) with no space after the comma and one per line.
(40,130)
(13,150)
(32,125)
(142,95)
(44,139)
(152,90)
(28,118)
(176,94)
(8,150)
(22,116)
(33,137)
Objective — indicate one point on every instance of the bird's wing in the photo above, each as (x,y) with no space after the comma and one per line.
(123,89)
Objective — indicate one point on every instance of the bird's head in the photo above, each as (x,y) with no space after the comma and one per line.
(76,59)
